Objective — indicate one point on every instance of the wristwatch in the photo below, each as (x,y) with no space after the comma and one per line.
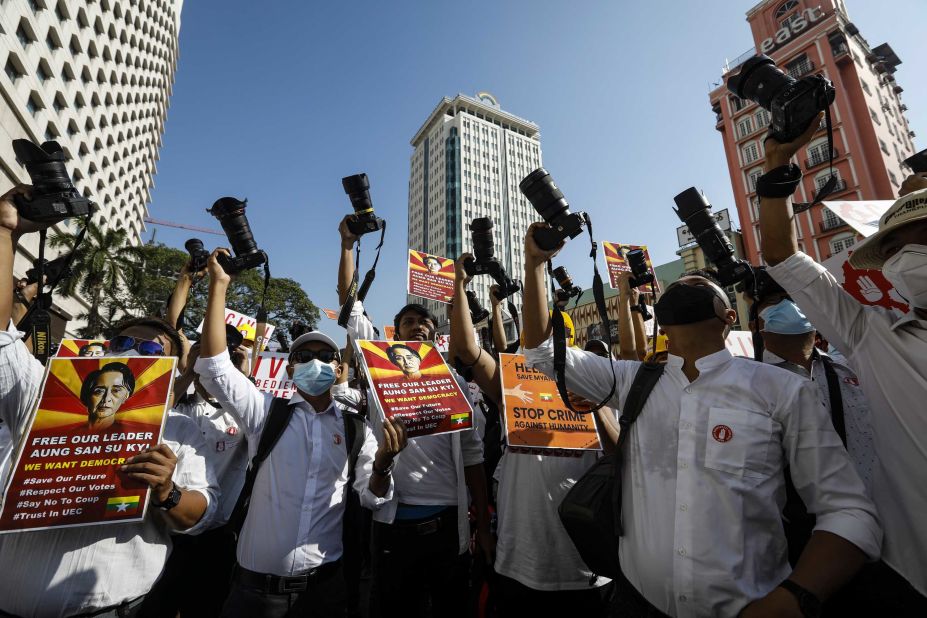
(386,471)
(173,499)
(809,604)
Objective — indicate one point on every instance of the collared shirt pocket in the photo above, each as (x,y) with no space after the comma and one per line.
(738,442)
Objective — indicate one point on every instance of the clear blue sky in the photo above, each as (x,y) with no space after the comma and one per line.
(276,101)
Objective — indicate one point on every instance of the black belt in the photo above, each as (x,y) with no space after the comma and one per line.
(421,527)
(278,584)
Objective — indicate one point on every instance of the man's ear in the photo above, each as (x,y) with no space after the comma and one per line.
(289,371)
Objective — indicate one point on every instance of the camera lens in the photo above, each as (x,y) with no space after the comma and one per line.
(194,246)
(563,277)
(481,233)
(638,262)
(230,212)
(45,166)
(358,189)
(759,80)
(545,197)
(695,211)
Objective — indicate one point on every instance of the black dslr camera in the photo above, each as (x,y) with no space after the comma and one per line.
(54,270)
(917,162)
(477,312)
(485,263)
(358,189)
(230,212)
(567,288)
(198,254)
(792,103)
(549,202)
(640,272)
(54,197)
(695,211)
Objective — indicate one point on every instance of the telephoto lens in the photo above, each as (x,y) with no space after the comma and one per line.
(198,254)
(640,271)
(548,201)
(695,211)
(54,197)
(481,233)
(562,275)
(357,188)
(230,212)
(477,312)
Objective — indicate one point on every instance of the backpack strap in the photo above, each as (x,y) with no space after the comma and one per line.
(354,425)
(278,417)
(835,396)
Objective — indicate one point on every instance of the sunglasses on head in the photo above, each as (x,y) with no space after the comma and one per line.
(145,347)
(305,356)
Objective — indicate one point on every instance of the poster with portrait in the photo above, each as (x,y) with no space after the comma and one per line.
(431,276)
(270,374)
(92,415)
(535,415)
(411,382)
(86,348)
(616,262)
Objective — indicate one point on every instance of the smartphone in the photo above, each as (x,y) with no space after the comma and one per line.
(917,162)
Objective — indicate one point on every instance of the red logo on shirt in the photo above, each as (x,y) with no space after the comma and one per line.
(722,433)
(232,431)
(851,380)
(336,438)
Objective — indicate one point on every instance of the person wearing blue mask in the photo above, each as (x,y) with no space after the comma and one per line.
(291,545)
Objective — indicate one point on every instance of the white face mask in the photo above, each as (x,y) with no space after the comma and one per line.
(907,271)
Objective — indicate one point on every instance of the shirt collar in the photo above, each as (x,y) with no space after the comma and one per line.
(706,363)
(297,399)
(910,316)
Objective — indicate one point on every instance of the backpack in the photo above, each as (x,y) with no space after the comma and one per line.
(591,510)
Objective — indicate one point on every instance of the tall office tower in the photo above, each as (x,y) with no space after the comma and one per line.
(96,77)
(469,158)
(871,134)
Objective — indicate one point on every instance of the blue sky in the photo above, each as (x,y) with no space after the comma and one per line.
(276,101)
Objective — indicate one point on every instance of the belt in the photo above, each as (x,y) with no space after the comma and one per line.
(279,584)
(423,527)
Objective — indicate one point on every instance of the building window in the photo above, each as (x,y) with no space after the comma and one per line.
(883,146)
(752,177)
(12,71)
(737,104)
(786,6)
(821,179)
(41,73)
(750,152)
(817,153)
(24,36)
(745,126)
(33,104)
(830,219)
(762,118)
(865,87)
(875,117)
(839,243)
(800,65)
(893,179)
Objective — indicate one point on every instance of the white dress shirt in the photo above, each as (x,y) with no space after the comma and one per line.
(68,571)
(888,350)
(295,518)
(703,479)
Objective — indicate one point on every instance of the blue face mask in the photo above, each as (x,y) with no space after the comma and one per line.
(314,377)
(785,318)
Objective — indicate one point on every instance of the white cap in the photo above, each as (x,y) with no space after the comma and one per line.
(314,336)
(907,209)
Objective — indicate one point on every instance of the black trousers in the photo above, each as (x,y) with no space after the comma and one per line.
(514,599)
(417,570)
(877,590)
(324,598)
(627,602)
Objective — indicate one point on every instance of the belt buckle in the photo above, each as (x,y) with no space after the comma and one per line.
(293,584)
(428,527)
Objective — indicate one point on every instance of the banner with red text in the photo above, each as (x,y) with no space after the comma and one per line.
(411,382)
(92,415)
(243,323)
(740,343)
(270,374)
(431,276)
(616,261)
(73,348)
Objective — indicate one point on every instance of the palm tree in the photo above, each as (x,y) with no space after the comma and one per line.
(103,264)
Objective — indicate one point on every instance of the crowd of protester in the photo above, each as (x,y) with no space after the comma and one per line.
(787,486)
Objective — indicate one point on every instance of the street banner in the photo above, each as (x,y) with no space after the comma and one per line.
(331,314)
(870,287)
(863,216)
(616,261)
(73,348)
(239,320)
(270,374)
(410,381)
(92,415)
(535,415)
(389,332)
(740,343)
(431,276)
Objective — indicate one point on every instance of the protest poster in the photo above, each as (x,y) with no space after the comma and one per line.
(410,381)
(863,215)
(92,415)
(389,332)
(535,415)
(431,276)
(73,348)
(240,321)
(870,287)
(740,343)
(331,314)
(270,374)
(616,261)
(443,343)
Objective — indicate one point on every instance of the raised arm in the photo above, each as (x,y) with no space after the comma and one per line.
(181,294)
(485,367)
(535,316)
(499,340)
(627,345)
(346,263)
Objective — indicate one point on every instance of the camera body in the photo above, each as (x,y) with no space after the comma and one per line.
(484,262)
(793,104)
(365,221)
(539,188)
(54,197)
(640,272)
(54,270)
(567,289)
(198,254)
(477,312)
(230,212)
(917,162)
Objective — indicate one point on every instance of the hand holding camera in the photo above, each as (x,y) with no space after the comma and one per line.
(230,212)
(217,273)
(53,197)
(364,220)
(10,217)
(461,276)
(483,261)
(199,257)
(535,256)
(348,238)
(548,201)
(780,153)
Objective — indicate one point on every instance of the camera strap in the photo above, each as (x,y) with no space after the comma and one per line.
(359,294)
(261,316)
(828,187)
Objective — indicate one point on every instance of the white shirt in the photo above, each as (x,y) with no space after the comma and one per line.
(889,353)
(295,518)
(856,417)
(226,448)
(78,570)
(532,545)
(703,479)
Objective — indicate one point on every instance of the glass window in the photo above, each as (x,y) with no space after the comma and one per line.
(745,126)
(786,6)
(762,118)
(12,71)
(751,152)
(23,36)
(883,146)
(753,176)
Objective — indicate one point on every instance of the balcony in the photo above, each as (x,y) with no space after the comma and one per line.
(819,159)
(840,187)
(832,224)
(799,69)
(739,60)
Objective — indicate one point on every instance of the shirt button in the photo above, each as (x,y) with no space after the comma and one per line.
(683,598)
(684,507)
(681,551)
(687,425)
(684,465)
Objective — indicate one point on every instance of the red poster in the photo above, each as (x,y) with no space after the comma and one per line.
(72,348)
(411,381)
(617,263)
(92,415)
(389,332)
(270,375)
(870,287)
(431,277)
(331,314)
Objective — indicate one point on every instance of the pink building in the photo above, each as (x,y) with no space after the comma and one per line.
(871,134)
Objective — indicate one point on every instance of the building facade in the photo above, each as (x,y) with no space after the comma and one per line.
(468,159)
(871,134)
(96,77)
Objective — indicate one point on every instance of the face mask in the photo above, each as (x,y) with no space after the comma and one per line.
(685,304)
(907,272)
(314,377)
(785,318)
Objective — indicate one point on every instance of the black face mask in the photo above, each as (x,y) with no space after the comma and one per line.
(685,304)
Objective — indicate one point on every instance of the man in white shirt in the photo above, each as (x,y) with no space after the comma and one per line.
(887,349)
(423,534)
(703,479)
(291,545)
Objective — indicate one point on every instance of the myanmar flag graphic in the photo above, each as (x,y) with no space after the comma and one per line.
(127,505)
(546,397)
(460,419)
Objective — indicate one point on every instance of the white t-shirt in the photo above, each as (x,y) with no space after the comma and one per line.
(533,546)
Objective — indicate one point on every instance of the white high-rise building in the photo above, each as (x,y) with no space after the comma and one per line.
(469,158)
(96,77)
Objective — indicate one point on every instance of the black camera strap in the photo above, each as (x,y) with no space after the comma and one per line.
(828,187)
(359,294)
(261,316)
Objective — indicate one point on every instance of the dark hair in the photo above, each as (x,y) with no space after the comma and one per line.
(86,347)
(156,323)
(421,310)
(431,257)
(391,352)
(705,273)
(128,379)
(599,344)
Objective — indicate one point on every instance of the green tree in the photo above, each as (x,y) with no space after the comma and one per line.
(286,301)
(155,279)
